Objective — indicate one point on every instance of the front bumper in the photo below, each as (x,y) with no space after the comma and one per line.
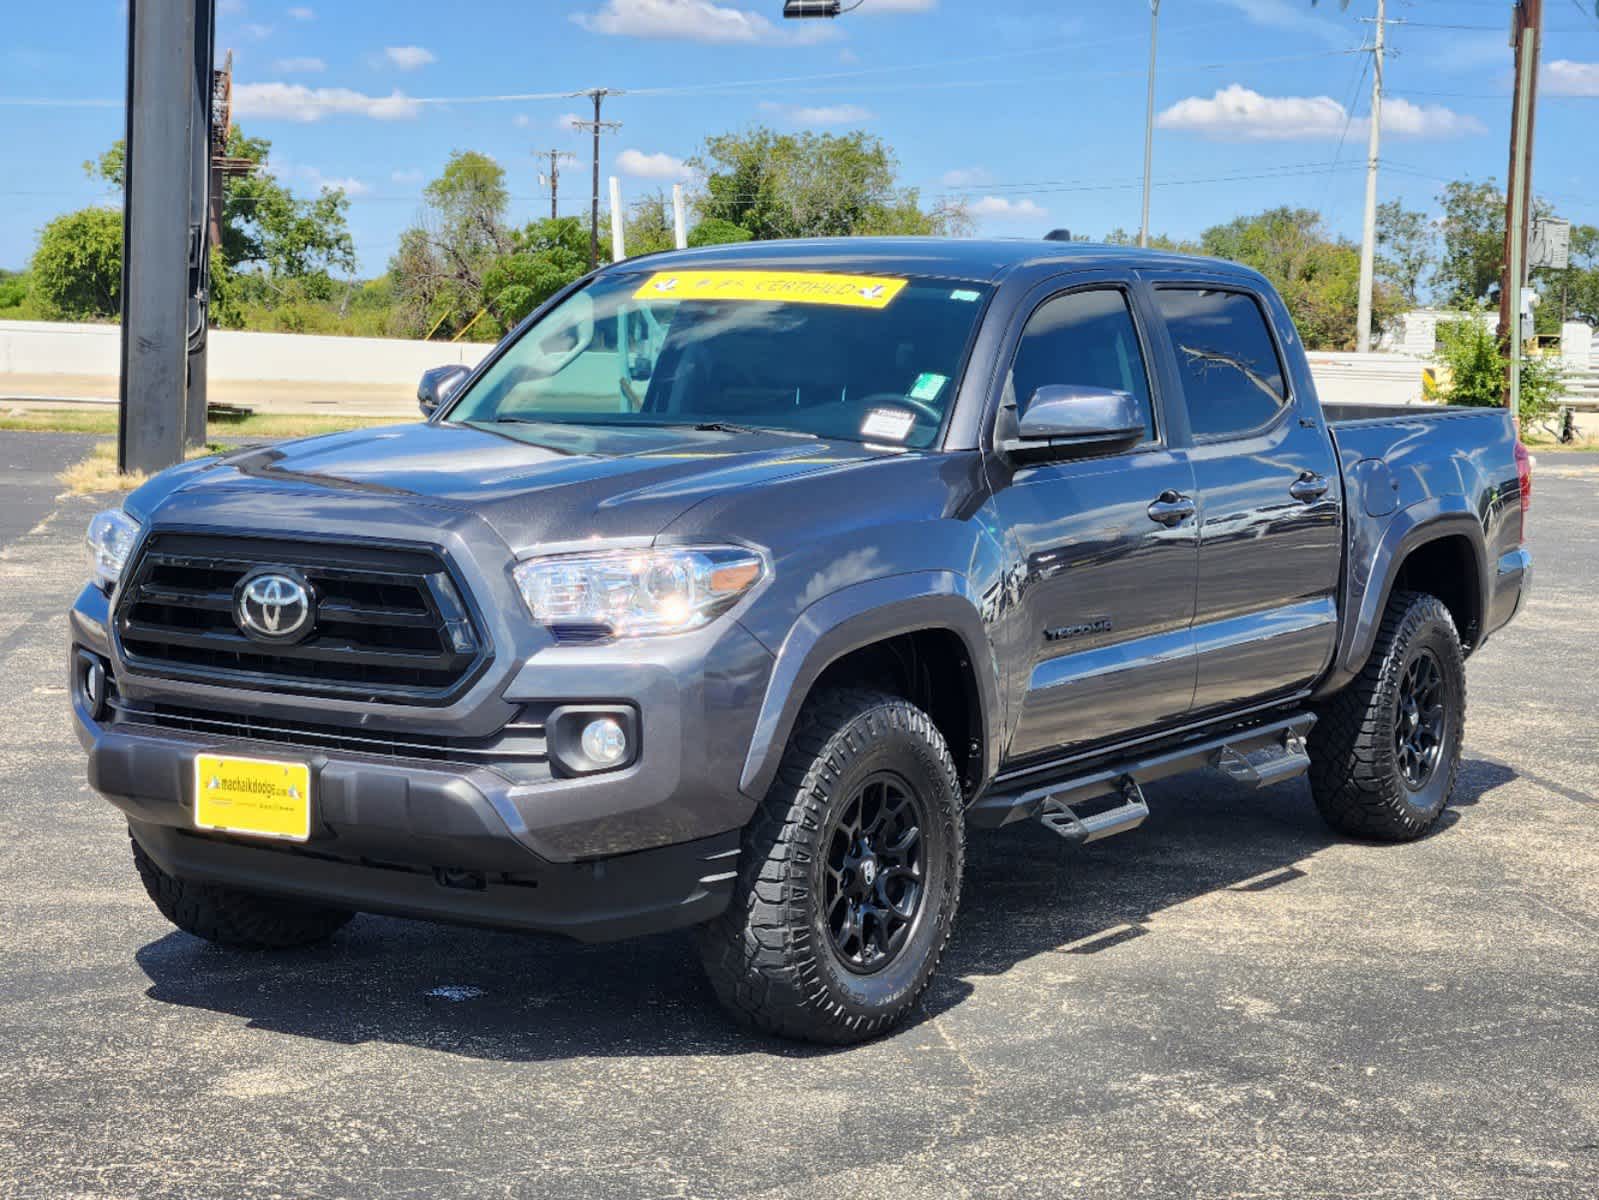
(649,847)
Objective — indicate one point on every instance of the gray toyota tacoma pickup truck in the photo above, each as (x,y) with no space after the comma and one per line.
(736,585)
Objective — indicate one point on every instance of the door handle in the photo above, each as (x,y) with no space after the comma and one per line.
(1171,508)
(1309,486)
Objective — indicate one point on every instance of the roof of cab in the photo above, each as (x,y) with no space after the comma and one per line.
(985,260)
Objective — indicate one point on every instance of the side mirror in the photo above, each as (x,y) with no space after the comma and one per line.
(438,385)
(1069,421)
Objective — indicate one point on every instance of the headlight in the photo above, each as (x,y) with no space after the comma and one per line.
(111,536)
(637,592)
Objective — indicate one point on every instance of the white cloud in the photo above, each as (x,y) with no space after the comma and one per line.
(521,120)
(409,58)
(1238,114)
(651,166)
(230,8)
(825,114)
(1010,210)
(1401,118)
(965,177)
(300,66)
(296,102)
(411,175)
(317,181)
(900,6)
(569,120)
(302,14)
(256,30)
(1566,78)
(696,21)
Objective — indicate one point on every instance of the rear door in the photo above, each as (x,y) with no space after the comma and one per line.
(1104,555)
(1270,527)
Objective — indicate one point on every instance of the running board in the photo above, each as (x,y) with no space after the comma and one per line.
(1129,814)
(1260,756)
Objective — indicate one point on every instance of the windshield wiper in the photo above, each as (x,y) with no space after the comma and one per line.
(735,427)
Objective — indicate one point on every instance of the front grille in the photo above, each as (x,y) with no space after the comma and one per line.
(390,622)
(517,750)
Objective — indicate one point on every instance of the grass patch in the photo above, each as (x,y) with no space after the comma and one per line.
(98,473)
(257,425)
(1542,442)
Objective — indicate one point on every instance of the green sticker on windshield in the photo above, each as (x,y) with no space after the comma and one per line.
(927,386)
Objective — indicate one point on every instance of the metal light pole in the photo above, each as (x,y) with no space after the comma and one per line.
(1368,239)
(1149,121)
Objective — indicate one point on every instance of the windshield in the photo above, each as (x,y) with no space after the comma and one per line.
(867,358)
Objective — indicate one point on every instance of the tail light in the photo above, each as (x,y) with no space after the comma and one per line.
(1524,477)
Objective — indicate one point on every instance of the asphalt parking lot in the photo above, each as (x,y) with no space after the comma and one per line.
(1228,1002)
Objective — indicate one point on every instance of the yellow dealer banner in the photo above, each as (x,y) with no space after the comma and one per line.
(790,287)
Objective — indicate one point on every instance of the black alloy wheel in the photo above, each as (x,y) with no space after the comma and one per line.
(872,881)
(1419,719)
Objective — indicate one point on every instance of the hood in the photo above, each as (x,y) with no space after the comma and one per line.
(534,483)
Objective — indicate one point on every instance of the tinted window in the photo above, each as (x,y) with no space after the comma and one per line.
(1232,377)
(1083,338)
(861,358)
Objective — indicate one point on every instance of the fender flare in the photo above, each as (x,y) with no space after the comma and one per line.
(849,619)
(1368,591)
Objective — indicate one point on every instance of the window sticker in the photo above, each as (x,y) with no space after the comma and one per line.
(791,287)
(927,386)
(890,424)
(965,294)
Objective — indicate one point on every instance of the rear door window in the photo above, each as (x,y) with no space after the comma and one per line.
(1232,376)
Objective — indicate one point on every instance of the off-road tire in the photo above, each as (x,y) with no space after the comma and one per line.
(230,917)
(771,958)
(1355,772)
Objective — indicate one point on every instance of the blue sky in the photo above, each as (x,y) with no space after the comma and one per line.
(1030,110)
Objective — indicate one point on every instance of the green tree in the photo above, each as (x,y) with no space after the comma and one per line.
(545,257)
(1317,274)
(1478,371)
(1405,248)
(277,248)
(649,225)
(439,268)
(714,231)
(778,185)
(77,268)
(1473,228)
(1157,241)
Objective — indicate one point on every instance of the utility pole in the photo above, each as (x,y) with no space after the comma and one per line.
(1149,120)
(596,126)
(1526,31)
(156,284)
(1368,236)
(554,177)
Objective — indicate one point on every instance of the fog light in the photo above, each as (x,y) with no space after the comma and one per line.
(604,742)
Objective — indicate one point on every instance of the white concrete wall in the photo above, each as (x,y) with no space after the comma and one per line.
(1366,378)
(51,348)
(45,348)
(1576,346)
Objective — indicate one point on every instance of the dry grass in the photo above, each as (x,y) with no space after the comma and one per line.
(257,425)
(1543,443)
(98,473)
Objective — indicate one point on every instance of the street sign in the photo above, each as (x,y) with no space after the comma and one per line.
(1550,244)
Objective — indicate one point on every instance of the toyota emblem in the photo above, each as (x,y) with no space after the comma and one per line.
(273,606)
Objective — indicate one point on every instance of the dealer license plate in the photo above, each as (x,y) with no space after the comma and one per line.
(254,796)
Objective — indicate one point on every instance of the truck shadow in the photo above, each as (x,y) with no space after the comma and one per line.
(517,998)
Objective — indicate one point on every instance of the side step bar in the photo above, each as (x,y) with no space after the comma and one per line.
(1260,756)
(1129,814)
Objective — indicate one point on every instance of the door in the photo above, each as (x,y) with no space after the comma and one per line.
(1265,615)
(1104,548)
